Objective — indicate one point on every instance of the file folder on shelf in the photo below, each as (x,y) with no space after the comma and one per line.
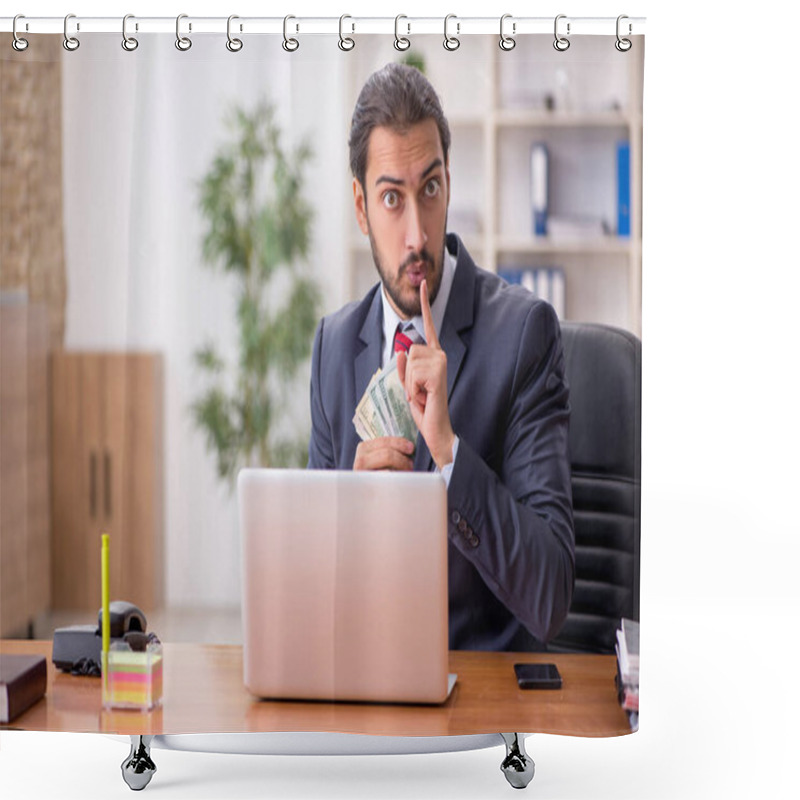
(547,283)
(539,187)
(623,189)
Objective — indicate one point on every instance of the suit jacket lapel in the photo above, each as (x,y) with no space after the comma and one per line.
(458,317)
(368,361)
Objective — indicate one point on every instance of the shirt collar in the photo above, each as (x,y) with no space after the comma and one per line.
(391,319)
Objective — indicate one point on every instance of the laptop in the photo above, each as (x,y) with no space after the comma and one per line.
(344,585)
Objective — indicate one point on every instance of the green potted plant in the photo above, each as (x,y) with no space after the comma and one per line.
(258,230)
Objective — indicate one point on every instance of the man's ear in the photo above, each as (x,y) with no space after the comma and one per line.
(360,201)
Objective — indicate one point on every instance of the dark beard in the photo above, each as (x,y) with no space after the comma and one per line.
(413,309)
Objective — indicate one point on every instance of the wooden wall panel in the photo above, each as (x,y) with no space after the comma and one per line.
(144,479)
(38,462)
(24,470)
(13,485)
(115,458)
(31,196)
(70,481)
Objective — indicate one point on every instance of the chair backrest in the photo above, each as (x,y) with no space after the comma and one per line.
(604,370)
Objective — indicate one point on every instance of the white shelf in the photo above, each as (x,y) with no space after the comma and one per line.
(523,118)
(607,245)
(527,118)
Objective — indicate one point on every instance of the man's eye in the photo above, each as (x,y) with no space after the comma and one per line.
(432,187)
(390,200)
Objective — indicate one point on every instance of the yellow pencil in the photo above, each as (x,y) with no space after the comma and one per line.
(106,613)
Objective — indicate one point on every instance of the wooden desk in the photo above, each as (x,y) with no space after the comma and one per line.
(204,693)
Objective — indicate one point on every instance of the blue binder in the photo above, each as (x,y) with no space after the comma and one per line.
(540,179)
(623,188)
(547,283)
(510,275)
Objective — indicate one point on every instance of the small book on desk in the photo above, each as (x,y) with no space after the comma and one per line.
(627,679)
(628,651)
(23,681)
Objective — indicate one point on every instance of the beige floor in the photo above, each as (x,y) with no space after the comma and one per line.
(214,625)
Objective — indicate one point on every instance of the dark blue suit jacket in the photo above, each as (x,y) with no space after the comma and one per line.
(511,560)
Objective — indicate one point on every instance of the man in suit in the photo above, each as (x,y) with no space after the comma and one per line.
(483,369)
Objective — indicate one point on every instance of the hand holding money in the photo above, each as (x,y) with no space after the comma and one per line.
(384,422)
(389,452)
(384,410)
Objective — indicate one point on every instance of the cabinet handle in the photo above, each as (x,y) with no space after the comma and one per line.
(93,484)
(107,482)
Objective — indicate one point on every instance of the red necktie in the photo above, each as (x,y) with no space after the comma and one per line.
(401,341)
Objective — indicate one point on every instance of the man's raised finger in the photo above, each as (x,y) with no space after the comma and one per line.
(431,339)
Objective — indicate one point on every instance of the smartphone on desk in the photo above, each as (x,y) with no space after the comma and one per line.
(538,676)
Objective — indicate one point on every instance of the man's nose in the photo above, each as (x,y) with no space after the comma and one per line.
(415,230)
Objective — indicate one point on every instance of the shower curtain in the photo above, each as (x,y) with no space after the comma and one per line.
(176,218)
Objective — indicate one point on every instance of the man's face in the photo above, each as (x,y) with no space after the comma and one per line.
(404,211)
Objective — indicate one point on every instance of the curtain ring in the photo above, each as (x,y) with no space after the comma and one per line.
(561,43)
(401,42)
(507,42)
(289,45)
(128,42)
(346,43)
(234,45)
(183,43)
(451,43)
(19,44)
(70,43)
(623,45)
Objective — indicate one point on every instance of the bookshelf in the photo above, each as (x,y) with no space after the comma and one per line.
(580,104)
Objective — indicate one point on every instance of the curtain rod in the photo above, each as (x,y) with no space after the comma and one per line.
(348,25)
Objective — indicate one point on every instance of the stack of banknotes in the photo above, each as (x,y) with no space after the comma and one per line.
(384,410)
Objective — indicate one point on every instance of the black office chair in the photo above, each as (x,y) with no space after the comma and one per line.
(604,370)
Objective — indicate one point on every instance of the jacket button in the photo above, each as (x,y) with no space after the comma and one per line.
(474,541)
(462,525)
(456,517)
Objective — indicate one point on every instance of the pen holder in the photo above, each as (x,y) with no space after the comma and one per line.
(133,679)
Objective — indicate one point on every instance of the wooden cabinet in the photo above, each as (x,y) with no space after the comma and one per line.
(24,467)
(107,477)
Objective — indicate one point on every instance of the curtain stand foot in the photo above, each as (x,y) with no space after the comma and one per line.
(138,768)
(517,766)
